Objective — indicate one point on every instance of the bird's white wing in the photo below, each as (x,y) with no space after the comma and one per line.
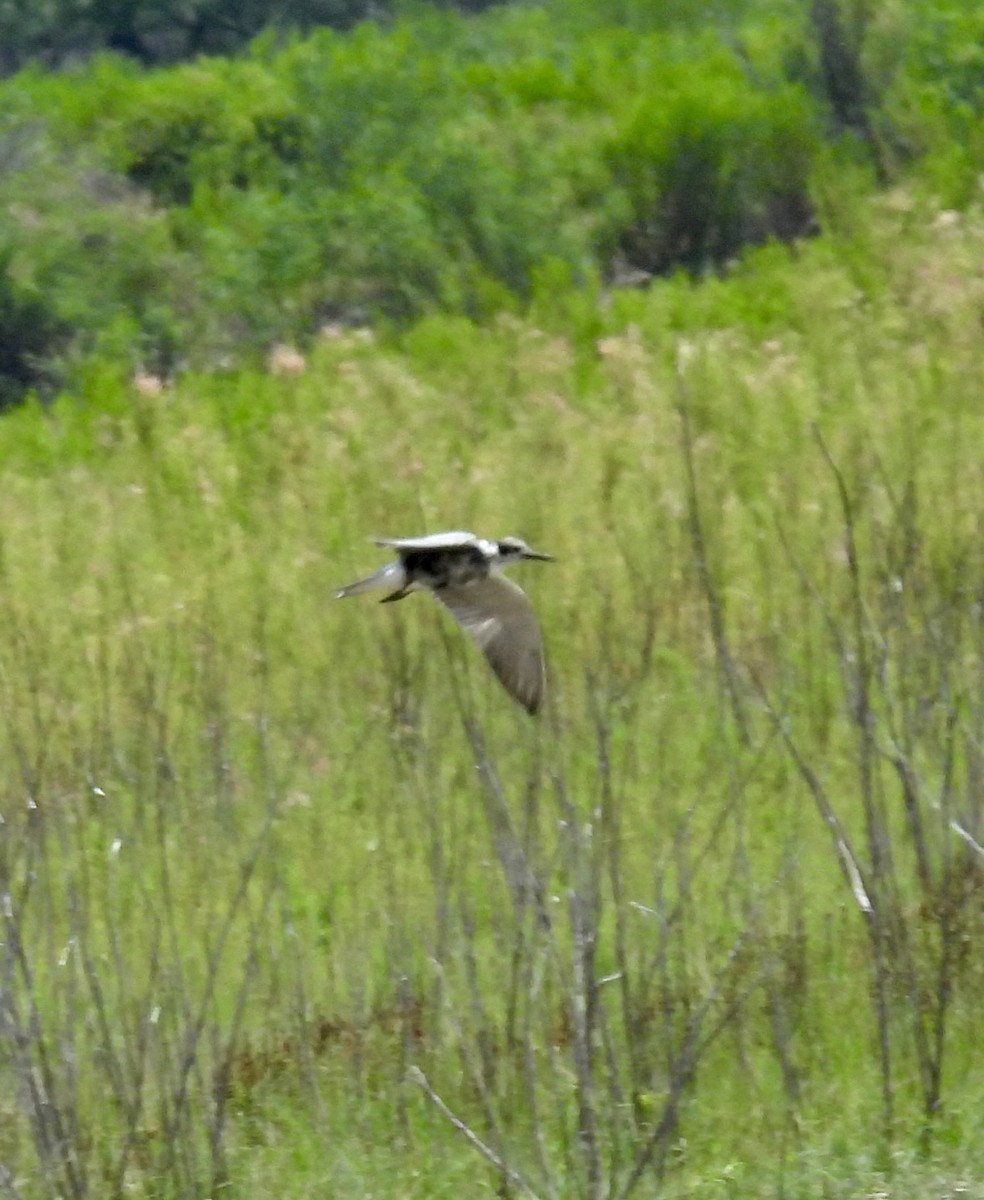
(433,541)
(497,616)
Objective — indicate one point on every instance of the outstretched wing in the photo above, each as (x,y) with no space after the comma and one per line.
(497,616)
(433,541)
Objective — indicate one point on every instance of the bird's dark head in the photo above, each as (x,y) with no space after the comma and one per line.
(512,549)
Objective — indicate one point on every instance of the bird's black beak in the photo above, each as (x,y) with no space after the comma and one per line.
(537,554)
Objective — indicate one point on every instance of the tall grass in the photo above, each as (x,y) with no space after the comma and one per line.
(294,902)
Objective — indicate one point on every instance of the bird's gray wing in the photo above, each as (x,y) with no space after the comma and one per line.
(433,541)
(497,616)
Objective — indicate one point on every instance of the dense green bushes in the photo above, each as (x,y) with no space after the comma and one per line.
(198,213)
(154,31)
(709,164)
(87,262)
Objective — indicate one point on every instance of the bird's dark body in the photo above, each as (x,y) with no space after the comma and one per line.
(441,567)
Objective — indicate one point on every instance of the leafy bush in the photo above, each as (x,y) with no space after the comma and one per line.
(711,164)
(84,253)
(154,31)
(936,104)
(212,123)
(30,338)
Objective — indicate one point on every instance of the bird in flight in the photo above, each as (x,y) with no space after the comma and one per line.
(464,572)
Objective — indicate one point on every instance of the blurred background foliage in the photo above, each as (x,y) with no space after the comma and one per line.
(182,210)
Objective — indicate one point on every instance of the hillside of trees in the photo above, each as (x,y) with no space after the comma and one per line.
(194,214)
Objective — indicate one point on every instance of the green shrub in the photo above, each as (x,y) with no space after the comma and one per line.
(83,251)
(207,124)
(31,337)
(935,106)
(709,164)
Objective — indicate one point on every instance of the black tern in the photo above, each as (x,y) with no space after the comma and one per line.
(464,572)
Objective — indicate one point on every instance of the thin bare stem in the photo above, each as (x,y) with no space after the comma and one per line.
(417,1076)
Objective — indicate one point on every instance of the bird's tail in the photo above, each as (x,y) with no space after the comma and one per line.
(390,576)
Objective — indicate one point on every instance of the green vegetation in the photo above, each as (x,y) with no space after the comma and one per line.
(57,32)
(287,887)
(195,215)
